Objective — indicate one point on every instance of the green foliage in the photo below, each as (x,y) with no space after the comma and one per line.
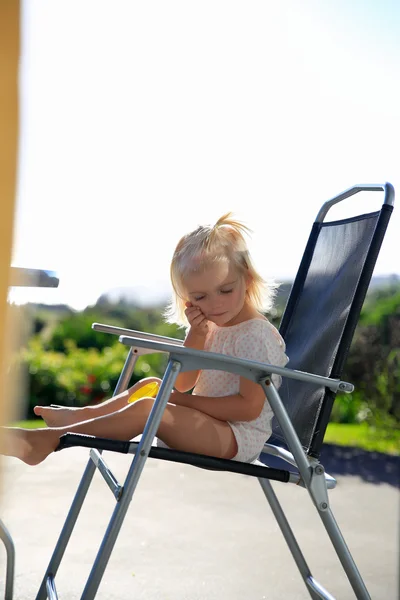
(67,362)
(74,377)
(78,326)
(371,438)
(348,408)
(373,366)
(79,376)
(78,329)
(381,311)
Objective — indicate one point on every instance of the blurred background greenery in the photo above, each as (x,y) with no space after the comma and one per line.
(64,361)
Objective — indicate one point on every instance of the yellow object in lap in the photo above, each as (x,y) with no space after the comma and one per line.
(147,391)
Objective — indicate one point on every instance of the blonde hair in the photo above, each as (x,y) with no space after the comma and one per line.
(206,245)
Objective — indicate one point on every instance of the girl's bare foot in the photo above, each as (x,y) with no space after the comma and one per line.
(58,417)
(31,446)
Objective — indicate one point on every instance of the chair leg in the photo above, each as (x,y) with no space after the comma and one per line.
(344,555)
(337,540)
(131,482)
(67,529)
(314,480)
(10,550)
(80,495)
(288,535)
(111,533)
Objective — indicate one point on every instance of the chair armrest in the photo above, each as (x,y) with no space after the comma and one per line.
(192,360)
(138,334)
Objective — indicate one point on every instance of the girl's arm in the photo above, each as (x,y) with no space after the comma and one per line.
(196,338)
(245,406)
(187,381)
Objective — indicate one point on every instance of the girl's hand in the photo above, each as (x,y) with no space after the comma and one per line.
(197,321)
(179,398)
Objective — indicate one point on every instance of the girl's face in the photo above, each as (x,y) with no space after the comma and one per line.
(220,293)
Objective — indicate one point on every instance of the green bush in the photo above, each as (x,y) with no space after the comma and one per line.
(373,366)
(78,377)
(69,363)
(78,329)
(349,408)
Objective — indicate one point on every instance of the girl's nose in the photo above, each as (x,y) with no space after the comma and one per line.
(216,303)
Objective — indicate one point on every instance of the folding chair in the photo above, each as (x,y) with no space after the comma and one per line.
(318,325)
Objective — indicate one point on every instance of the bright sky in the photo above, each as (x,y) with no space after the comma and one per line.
(141,120)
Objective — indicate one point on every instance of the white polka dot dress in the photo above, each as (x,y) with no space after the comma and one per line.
(255,339)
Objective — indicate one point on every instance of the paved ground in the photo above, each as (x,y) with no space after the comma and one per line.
(192,534)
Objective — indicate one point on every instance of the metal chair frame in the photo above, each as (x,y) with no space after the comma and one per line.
(310,473)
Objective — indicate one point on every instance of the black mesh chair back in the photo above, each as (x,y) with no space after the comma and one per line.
(323,310)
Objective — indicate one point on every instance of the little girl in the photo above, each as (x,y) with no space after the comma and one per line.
(220,296)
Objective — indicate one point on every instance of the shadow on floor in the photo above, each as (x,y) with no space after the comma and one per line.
(372,467)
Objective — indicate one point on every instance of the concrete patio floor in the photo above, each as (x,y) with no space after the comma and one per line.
(192,534)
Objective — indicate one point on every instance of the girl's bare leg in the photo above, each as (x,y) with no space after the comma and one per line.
(59,417)
(181,428)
